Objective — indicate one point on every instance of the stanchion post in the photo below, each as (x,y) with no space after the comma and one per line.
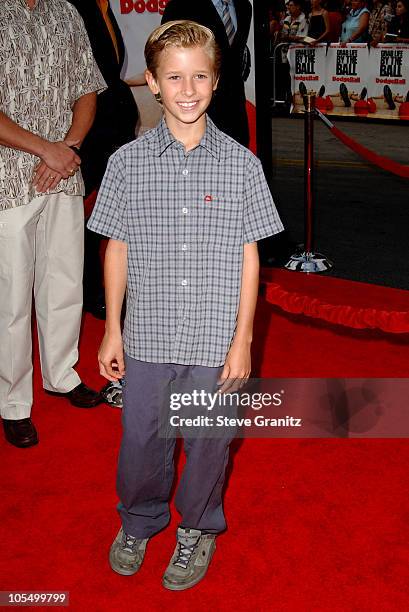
(309,102)
(308,261)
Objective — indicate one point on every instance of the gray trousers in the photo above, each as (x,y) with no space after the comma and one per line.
(146,465)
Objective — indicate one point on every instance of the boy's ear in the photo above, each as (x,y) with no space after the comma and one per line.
(152,84)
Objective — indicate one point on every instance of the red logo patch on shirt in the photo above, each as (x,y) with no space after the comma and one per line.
(208,198)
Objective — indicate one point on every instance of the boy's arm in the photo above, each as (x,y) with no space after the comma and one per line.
(238,361)
(111,353)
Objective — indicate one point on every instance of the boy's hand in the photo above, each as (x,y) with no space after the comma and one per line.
(236,369)
(111,357)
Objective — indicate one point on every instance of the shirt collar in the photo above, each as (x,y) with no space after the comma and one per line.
(163,138)
(211,140)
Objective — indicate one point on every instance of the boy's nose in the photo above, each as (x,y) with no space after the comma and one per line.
(188,87)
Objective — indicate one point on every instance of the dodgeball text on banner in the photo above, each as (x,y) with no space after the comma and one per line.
(140,6)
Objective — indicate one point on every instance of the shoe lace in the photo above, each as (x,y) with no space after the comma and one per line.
(129,543)
(184,554)
(112,393)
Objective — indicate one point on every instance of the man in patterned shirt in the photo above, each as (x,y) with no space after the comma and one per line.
(48,85)
(183,206)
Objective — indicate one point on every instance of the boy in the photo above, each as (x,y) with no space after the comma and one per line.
(183,205)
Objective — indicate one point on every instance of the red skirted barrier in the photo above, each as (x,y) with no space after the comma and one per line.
(358,318)
(378,160)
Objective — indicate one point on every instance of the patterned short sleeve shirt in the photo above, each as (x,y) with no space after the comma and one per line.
(46,64)
(185,217)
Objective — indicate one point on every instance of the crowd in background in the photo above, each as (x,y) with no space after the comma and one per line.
(346,21)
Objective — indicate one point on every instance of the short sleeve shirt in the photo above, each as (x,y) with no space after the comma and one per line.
(46,64)
(297,27)
(351,25)
(378,20)
(185,217)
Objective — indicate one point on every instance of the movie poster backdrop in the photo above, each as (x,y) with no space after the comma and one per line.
(307,65)
(388,81)
(352,79)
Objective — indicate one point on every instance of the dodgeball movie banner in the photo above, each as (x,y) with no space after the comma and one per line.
(307,66)
(352,79)
(388,81)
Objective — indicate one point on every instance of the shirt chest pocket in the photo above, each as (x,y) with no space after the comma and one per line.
(220,220)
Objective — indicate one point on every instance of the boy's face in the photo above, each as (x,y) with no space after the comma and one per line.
(186,82)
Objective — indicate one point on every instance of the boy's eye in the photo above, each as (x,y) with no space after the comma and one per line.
(174,77)
(201,76)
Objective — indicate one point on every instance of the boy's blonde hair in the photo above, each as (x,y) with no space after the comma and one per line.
(182,34)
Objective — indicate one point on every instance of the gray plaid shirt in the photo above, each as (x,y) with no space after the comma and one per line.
(185,218)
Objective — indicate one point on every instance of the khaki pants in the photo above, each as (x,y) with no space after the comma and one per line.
(41,247)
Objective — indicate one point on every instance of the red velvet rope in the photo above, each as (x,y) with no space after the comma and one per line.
(394,322)
(378,160)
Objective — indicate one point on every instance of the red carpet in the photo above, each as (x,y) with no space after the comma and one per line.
(313,524)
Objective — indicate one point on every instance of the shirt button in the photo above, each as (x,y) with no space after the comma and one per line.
(185,172)
(184,247)
(184,283)
(184,211)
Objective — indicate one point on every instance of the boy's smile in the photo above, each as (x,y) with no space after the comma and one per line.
(185,81)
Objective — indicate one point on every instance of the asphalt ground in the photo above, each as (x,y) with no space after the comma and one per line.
(361,212)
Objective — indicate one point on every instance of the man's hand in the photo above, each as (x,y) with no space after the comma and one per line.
(60,158)
(111,357)
(236,369)
(45,179)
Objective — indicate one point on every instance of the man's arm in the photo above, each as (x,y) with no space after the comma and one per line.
(57,155)
(238,361)
(111,353)
(83,114)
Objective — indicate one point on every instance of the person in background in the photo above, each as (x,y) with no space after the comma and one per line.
(355,26)
(114,125)
(47,106)
(335,18)
(295,29)
(319,26)
(277,14)
(346,8)
(229,21)
(295,26)
(399,26)
(381,15)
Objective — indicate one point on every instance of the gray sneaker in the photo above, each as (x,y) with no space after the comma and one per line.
(190,560)
(112,394)
(127,553)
